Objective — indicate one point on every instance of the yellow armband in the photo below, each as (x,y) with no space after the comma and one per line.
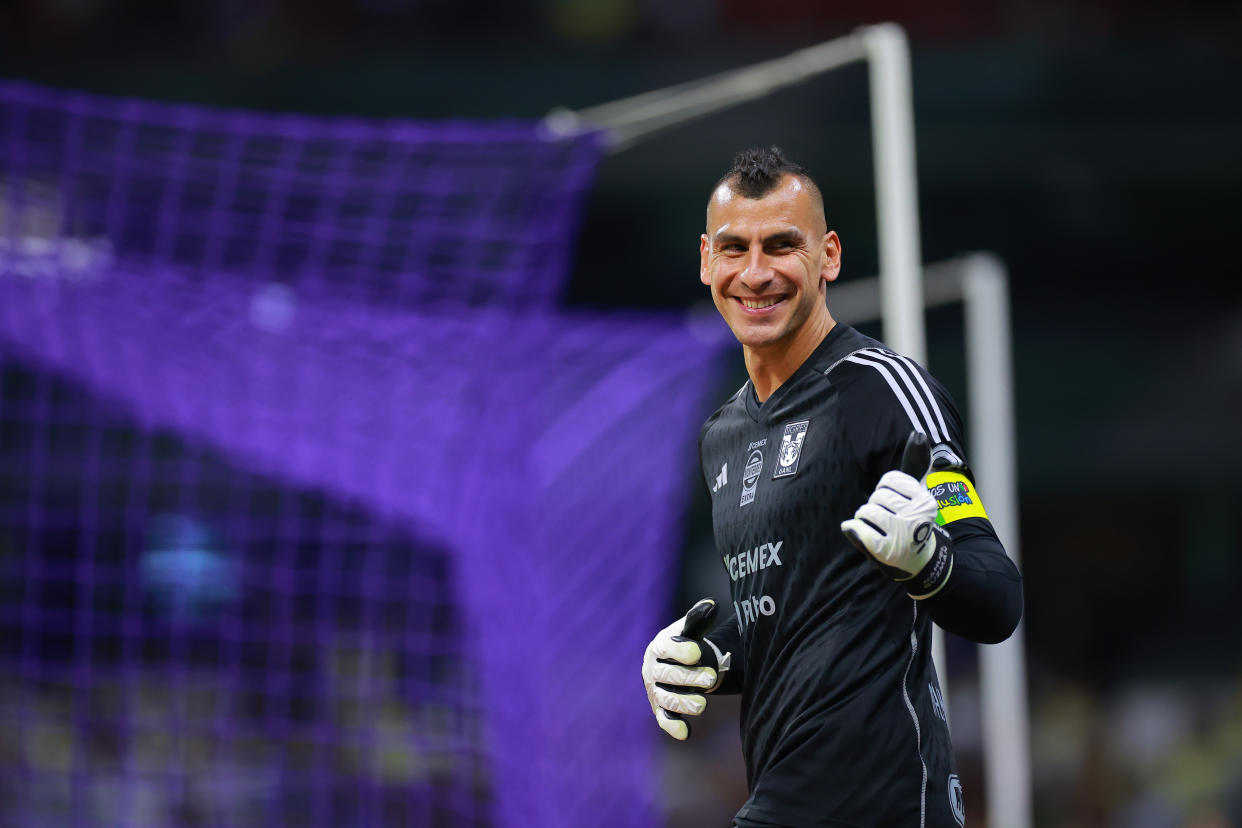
(955,497)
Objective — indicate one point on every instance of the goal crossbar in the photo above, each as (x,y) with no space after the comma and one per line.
(628,120)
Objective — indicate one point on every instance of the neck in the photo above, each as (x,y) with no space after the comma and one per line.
(771,365)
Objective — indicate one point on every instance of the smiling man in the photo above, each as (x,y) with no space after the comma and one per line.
(853,525)
(768,257)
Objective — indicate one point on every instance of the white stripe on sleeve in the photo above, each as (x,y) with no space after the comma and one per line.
(902,394)
(931,398)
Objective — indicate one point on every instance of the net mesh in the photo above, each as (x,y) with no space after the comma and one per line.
(314,508)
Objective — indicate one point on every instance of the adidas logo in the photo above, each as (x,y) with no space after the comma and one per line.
(722,479)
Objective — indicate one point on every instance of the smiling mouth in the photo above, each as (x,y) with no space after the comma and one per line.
(760,304)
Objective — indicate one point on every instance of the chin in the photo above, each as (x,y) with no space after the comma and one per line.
(756,339)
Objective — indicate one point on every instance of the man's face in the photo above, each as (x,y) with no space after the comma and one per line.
(767,261)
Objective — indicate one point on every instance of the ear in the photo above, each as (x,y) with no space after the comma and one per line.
(830,265)
(704,277)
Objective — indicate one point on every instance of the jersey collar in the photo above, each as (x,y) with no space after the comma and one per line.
(839,339)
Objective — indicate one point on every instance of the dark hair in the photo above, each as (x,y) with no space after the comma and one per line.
(758,171)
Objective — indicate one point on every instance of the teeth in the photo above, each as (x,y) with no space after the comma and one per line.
(757,304)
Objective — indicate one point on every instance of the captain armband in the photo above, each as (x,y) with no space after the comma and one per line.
(955,495)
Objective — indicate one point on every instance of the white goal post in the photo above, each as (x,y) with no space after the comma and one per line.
(897,294)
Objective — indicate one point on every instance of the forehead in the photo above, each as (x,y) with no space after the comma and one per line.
(789,204)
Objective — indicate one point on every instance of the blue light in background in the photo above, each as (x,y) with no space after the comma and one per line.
(185,570)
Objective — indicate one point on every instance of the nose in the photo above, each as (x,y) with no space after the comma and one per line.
(758,271)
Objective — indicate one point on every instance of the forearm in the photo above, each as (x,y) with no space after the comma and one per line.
(982,600)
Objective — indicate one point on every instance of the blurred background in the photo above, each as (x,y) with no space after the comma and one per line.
(1092,146)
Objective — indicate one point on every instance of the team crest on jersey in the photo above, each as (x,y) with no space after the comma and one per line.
(750,476)
(790,452)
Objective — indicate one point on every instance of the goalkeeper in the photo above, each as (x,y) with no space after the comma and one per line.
(848,521)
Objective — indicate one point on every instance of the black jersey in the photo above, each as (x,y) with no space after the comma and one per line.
(842,719)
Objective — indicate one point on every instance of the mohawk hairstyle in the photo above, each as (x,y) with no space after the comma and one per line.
(757,171)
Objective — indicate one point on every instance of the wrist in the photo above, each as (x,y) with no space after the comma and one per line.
(719,661)
(936,572)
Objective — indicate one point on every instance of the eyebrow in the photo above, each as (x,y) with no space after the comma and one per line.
(792,237)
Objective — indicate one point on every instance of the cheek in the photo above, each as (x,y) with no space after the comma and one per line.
(714,277)
(724,271)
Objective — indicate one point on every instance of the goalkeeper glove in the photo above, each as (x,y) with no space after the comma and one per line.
(678,669)
(897,526)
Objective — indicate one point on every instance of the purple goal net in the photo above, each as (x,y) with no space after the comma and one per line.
(315,509)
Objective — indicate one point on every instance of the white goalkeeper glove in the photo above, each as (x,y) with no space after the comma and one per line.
(678,669)
(897,526)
